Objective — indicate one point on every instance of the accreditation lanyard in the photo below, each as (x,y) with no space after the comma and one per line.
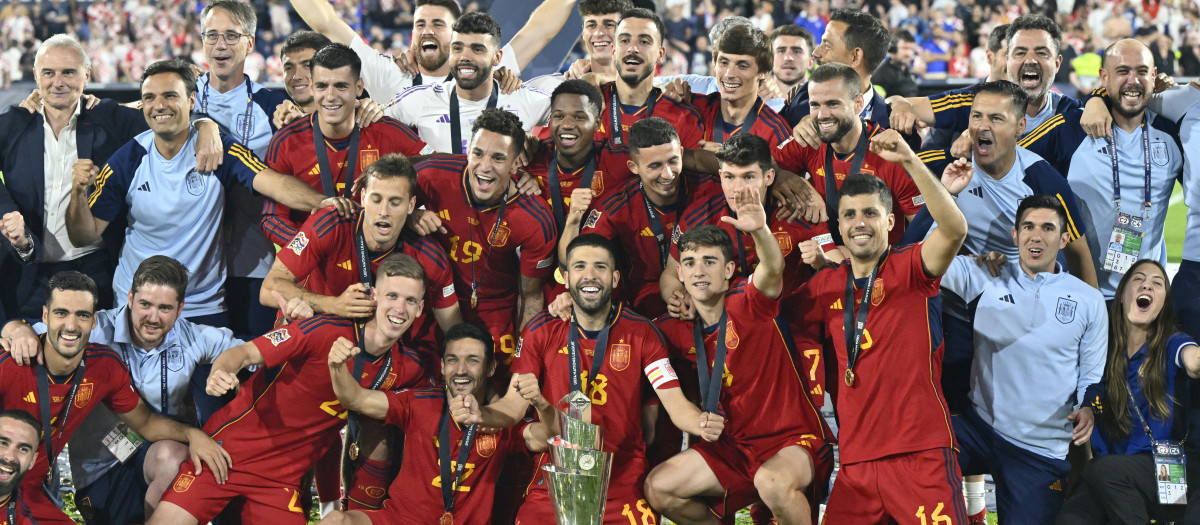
(656,225)
(853,324)
(614,113)
(456,144)
(327,185)
(11,508)
(249,107)
(710,380)
(450,485)
(1170,463)
(575,353)
(44,402)
(1116,171)
(164,401)
(719,125)
(831,190)
(586,174)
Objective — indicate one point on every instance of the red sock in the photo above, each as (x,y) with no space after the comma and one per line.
(370,486)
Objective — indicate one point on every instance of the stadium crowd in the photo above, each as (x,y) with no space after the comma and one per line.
(382,283)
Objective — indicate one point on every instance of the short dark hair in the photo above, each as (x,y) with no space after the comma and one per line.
(646,14)
(337,56)
(793,30)
(864,32)
(603,7)
(304,39)
(450,5)
(462,331)
(71,281)
(650,132)
(177,66)
(863,184)
(1042,202)
(904,35)
(1008,89)
(504,123)
(24,417)
(998,38)
(241,12)
(400,265)
(595,100)
(851,81)
(1036,22)
(163,271)
(743,40)
(591,240)
(707,236)
(744,150)
(392,166)
(479,23)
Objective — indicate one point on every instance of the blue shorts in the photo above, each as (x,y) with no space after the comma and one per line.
(119,496)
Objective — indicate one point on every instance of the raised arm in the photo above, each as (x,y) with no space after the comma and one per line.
(352,396)
(544,24)
(911,113)
(320,16)
(83,228)
(503,413)
(225,368)
(752,219)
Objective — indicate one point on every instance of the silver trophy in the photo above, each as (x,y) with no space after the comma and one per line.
(579,472)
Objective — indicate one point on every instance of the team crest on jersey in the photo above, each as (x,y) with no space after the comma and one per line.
(194,183)
(298,243)
(278,336)
(368,157)
(785,242)
(84,394)
(174,360)
(1065,311)
(183,483)
(731,336)
(375,492)
(877,292)
(598,182)
(388,383)
(1158,153)
(618,357)
(593,217)
(499,236)
(485,445)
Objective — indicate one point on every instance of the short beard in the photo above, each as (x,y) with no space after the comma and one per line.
(634,79)
(843,127)
(482,75)
(603,303)
(435,62)
(1120,109)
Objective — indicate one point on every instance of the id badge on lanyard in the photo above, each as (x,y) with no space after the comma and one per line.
(122,441)
(1170,470)
(1125,243)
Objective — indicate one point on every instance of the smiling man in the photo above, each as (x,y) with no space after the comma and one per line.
(20,437)
(741,62)
(296,54)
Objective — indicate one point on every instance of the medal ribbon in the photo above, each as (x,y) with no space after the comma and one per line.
(710,380)
(327,185)
(574,352)
(44,402)
(450,485)
(456,145)
(614,113)
(831,191)
(854,331)
(587,172)
(747,125)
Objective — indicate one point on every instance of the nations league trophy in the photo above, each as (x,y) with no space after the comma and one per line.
(579,473)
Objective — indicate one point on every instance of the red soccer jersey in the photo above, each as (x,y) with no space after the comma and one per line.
(293,152)
(896,404)
(636,354)
(417,490)
(767,123)
(286,415)
(322,256)
(611,172)
(682,115)
(759,374)
(906,198)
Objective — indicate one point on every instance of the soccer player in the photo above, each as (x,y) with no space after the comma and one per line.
(440,112)
(785,460)
(501,241)
(346,148)
(173,209)
(896,443)
(844,136)
(793,47)
(20,437)
(467,457)
(1018,434)
(296,54)
(599,18)
(626,351)
(1138,166)
(741,61)
(287,415)
(76,377)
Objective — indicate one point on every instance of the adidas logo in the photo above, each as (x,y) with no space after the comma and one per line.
(444,215)
(345,265)
(837,305)
(444,119)
(976,191)
(145,186)
(1103,150)
(1008,298)
(30,398)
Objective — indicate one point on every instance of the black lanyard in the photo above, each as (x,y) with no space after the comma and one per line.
(327,185)
(249,108)
(11,511)
(164,401)
(456,145)
(360,329)
(854,324)
(831,191)
(656,225)
(586,173)
(614,113)
(418,80)
(710,380)
(44,402)
(574,352)
(719,124)
(490,237)
(449,485)
(1116,171)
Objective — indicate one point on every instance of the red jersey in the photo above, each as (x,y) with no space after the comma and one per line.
(293,152)
(789,235)
(636,354)
(286,415)
(684,116)
(417,490)
(106,379)
(767,123)
(611,172)
(322,256)
(483,242)
(759,373)
(895,405)
(906,198)
(23,515)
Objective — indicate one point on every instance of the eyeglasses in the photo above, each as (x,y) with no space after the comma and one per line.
(230,38)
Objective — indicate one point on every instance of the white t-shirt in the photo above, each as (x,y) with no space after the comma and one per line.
(427,109)
(384,80)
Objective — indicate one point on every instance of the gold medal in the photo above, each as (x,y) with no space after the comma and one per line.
(353,451)
(447,519)
(474,300)
(849,377)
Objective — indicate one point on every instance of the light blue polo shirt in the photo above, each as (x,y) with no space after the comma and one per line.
(174,211)
(1039,343)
